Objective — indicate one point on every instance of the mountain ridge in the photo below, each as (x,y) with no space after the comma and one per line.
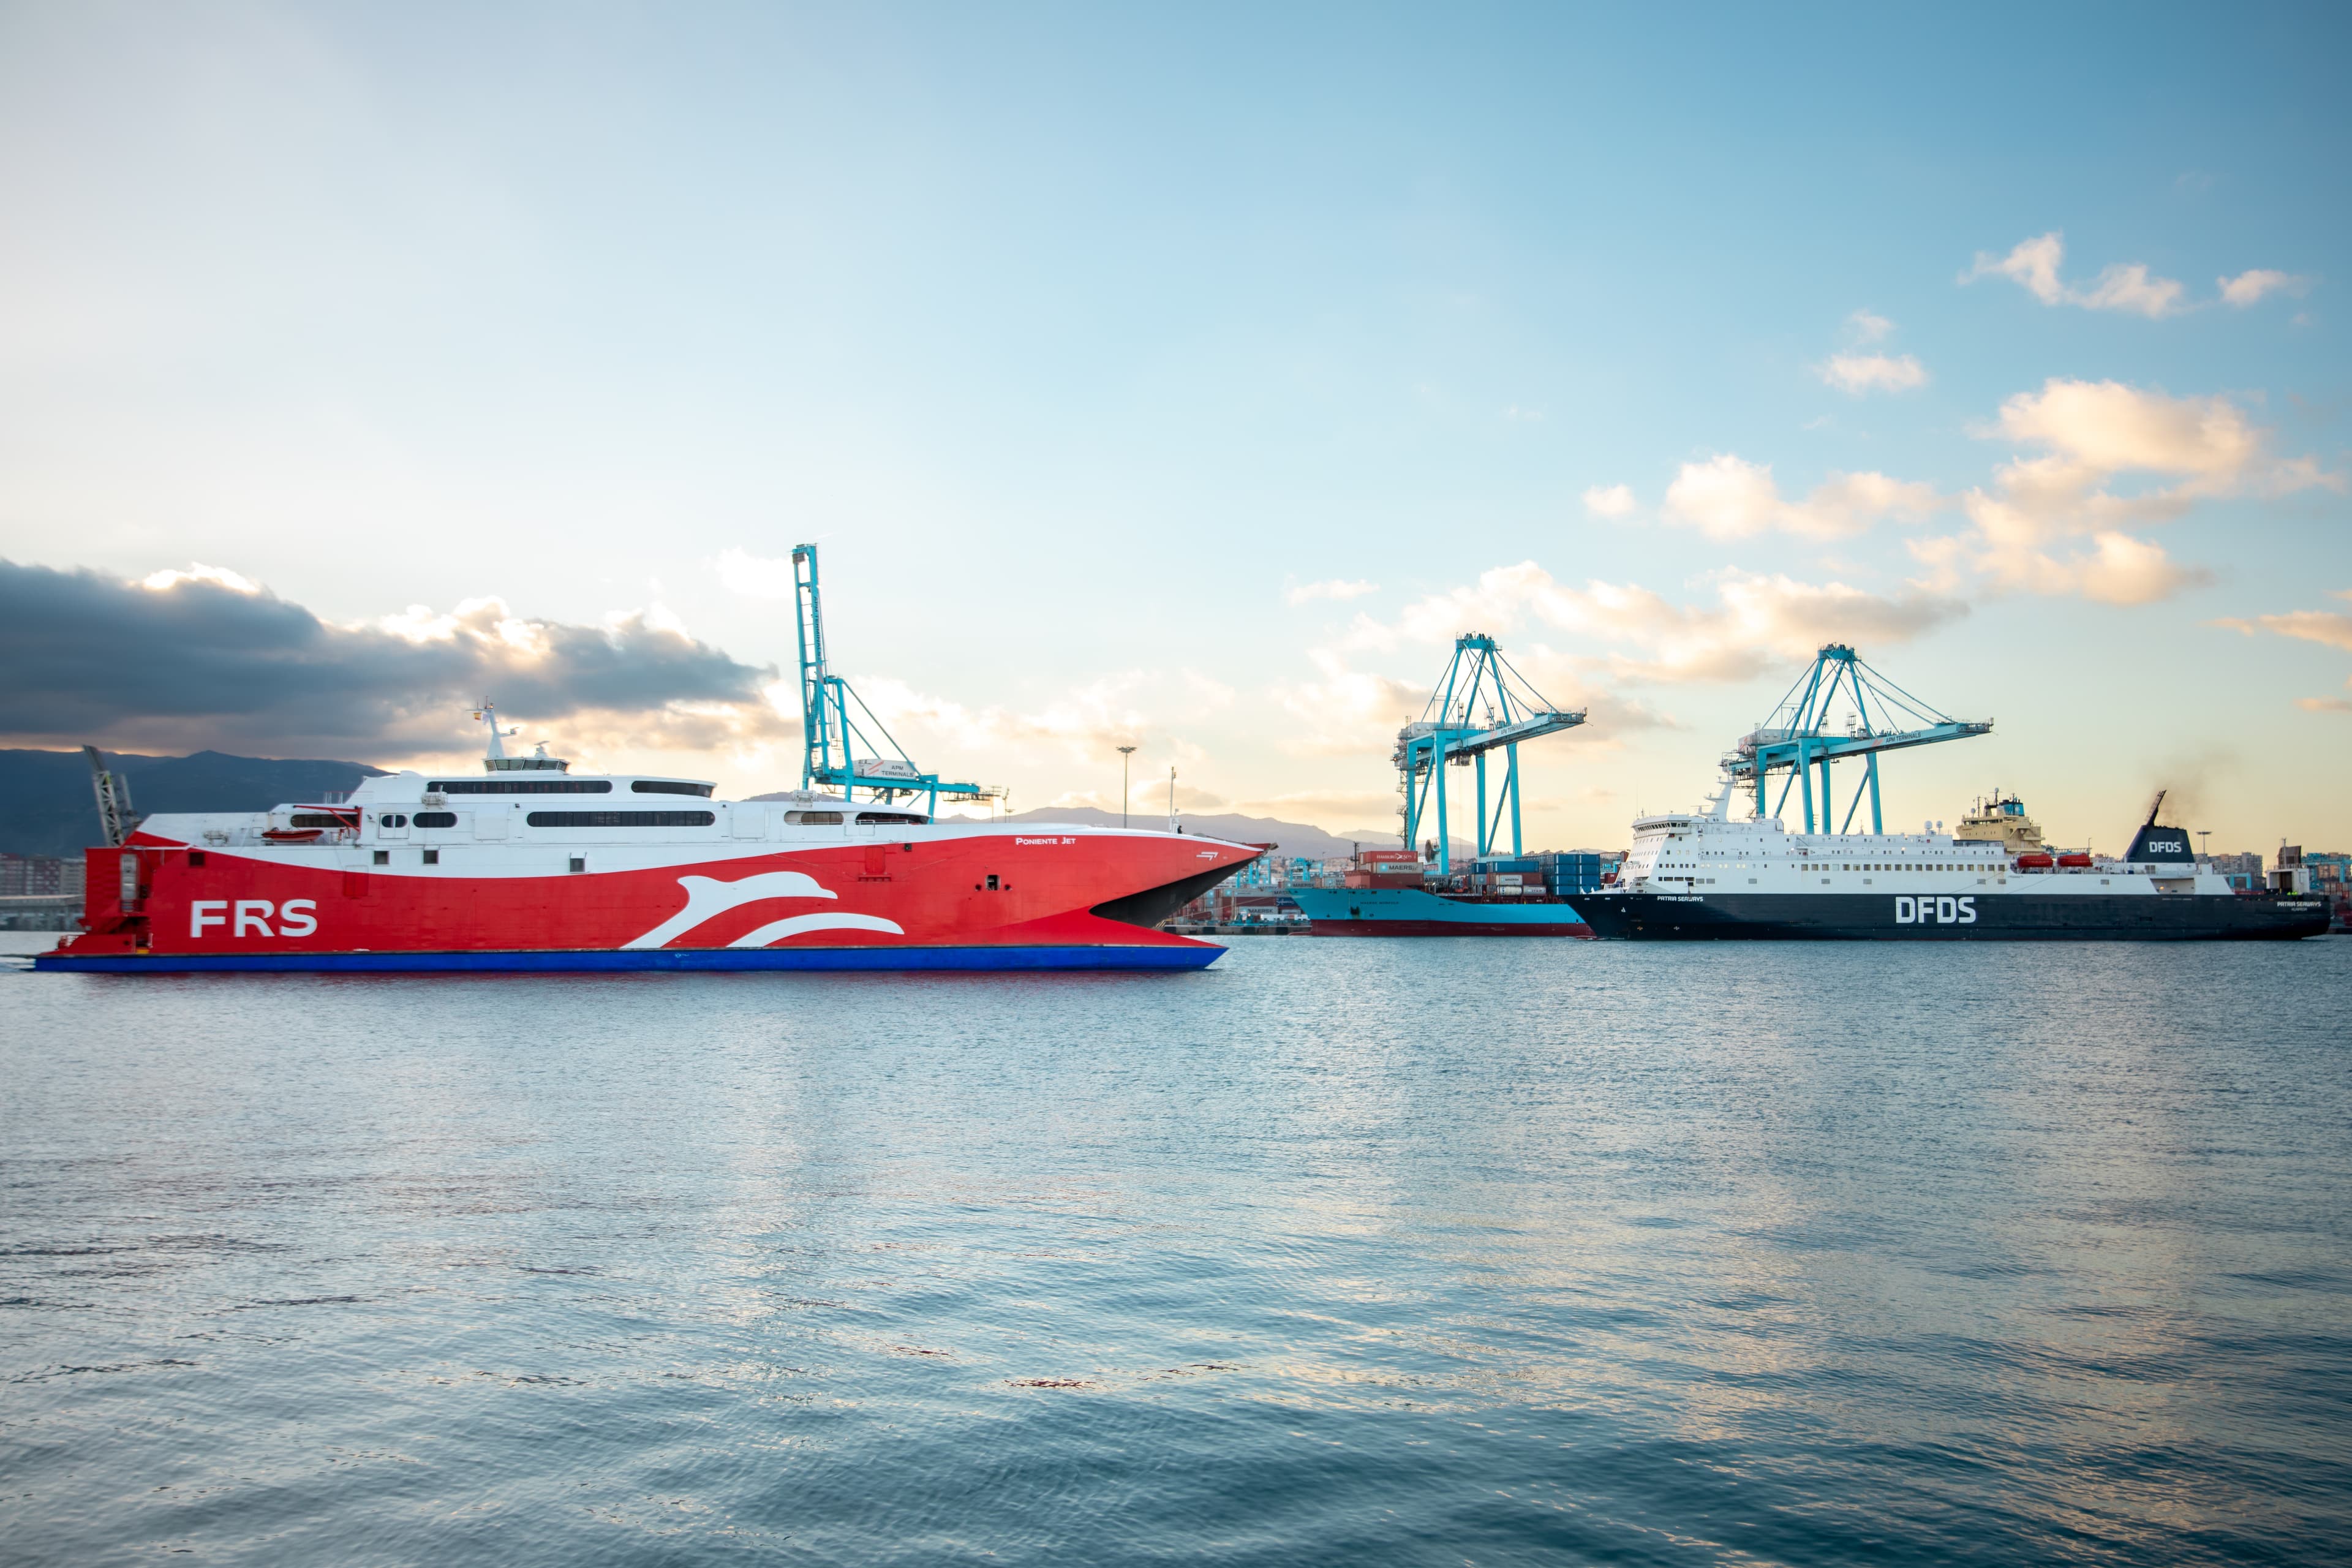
(47,808)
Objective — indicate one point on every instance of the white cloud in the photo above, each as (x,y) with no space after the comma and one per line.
(1087,723)
(2247,288)
(1728,497)
(1345,711)
(1336,588)
(754,577)
(2100,428)
(2130,289)
(2033,265)
(1867,327)
(2330,629)
(1858,373)
(166,580)
(1758,621)
(489,619)
(2093,433)
(1610,500)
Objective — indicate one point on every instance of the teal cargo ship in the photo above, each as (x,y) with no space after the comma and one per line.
(1416,912)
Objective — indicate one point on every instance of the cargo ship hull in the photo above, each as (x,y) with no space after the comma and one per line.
(1416,912)
(2007,916)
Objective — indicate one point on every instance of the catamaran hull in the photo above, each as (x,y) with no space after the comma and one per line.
(941,898)
(1197,955)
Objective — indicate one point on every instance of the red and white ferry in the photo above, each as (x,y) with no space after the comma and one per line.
(532,866)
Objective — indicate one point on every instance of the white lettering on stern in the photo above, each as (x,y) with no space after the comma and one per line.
(295,917)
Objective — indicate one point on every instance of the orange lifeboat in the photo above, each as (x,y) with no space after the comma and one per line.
(2035,861)
(2076,862)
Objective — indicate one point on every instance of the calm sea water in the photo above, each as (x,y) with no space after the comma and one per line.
(1410,1252)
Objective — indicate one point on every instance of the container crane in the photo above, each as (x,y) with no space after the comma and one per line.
(1799,737)
(831,737)
(1481,705)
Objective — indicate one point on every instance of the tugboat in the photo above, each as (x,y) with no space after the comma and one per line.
(1703,874)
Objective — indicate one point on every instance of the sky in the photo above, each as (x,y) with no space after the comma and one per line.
(1189,379)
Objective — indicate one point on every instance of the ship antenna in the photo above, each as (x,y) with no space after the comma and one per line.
(487,714)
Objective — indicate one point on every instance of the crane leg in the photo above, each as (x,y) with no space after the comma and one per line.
(1444,843)
(1513,752)
(1805,780)
(1864,787)
(1876,826)
(1484,837)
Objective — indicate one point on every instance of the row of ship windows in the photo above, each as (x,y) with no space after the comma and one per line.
(564,786)
(1709,881)
(1958,865)
(608,818)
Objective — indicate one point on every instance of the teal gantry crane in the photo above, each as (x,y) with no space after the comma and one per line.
(831,737)
(1481,705)
(1800,735)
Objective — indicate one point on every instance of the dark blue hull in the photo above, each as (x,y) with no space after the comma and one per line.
(659,958)
(2003,917)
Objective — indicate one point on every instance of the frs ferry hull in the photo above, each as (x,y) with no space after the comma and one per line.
(449,882)
(1414,912)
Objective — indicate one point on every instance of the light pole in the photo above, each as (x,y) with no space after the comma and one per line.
(1124,754)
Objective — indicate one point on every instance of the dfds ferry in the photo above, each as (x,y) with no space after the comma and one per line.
(1705,876)
(532,866)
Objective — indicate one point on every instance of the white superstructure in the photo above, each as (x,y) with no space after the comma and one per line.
(1704,853)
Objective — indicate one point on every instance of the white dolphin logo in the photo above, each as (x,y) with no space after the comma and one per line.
(708,898)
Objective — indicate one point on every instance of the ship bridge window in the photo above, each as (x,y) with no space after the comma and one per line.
(669,786)
(522,786)
(621,819)
(814,818)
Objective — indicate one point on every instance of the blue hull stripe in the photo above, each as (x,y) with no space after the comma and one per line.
(868,958)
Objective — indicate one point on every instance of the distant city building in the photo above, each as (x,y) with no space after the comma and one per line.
(39,875)
(2331,877)
(2244,871)
(39,892)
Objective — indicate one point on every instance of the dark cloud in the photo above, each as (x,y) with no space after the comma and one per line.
(92,658)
